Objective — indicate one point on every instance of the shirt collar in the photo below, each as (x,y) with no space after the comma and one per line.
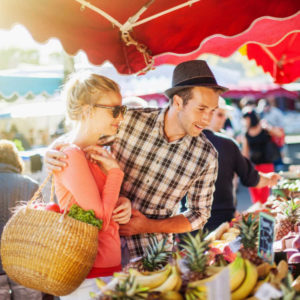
(160,125)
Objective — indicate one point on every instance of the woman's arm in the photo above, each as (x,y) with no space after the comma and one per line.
(80,182)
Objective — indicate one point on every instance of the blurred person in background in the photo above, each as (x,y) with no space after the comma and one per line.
(231,162)
(15,134)
(14,187)
(273,121)
(259,148)
(270,113)
(248,102)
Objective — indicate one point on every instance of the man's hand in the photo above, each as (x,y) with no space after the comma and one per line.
(268,179)
(122,212)
(137,224)
(273,178)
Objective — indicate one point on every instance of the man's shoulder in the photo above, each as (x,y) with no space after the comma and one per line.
(145,112)
(202,142)
(139,117)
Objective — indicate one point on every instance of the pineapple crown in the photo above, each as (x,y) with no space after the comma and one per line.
(248,231)
(156,256)
(128,289)
(291,211)
(196,248)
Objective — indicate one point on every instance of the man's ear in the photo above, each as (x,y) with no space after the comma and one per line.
(177,102)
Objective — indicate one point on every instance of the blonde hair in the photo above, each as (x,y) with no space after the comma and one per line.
(9,155)
(85,88)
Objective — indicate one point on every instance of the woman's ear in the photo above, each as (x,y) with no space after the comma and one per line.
(177,102)
(87,111)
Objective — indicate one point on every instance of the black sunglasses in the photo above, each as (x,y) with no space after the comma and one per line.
(116,110)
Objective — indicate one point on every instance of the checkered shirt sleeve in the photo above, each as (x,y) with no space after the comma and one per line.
(159,173)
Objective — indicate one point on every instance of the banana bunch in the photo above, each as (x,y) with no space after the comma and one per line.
(247,284)
(163,281)
(242,276)
(237,272)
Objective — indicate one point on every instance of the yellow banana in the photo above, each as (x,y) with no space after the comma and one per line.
(248,284)
(170,283)
(179,280)
(107,287)
(151,281)
(171,295)
(237,272)
(198,292)
(212,270)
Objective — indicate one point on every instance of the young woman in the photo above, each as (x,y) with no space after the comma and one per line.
(258,147)
(94,104)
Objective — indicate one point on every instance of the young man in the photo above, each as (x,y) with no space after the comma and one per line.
(164,156)
(231,162)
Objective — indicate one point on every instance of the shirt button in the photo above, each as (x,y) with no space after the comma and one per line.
(148,181)
(157,162)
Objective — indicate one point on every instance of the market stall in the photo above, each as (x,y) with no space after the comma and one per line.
(237,259)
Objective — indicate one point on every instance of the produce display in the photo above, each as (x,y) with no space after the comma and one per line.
(287,188)
(199,260)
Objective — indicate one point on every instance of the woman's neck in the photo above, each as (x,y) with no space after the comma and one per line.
(253,131)
(83,136)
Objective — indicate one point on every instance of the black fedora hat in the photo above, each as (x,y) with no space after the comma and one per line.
(191,74)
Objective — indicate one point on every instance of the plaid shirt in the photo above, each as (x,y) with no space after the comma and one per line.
(159,173)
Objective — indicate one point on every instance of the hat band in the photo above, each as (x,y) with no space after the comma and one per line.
(197,81)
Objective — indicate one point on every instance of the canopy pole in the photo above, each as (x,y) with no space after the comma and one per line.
(190,2)
(128,24)
(85,3)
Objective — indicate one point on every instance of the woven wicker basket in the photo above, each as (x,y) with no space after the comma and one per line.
(47,251)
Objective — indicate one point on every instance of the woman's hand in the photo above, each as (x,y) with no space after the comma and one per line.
(122,212)
(54,159)
(101,156)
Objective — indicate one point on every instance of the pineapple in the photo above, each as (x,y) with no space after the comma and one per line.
(155,256)
(287,220)
(126,289)
(248,227)
(196,256)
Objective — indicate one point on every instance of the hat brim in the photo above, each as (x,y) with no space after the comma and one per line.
(174,90)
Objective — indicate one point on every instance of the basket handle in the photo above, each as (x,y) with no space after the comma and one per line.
(41,187)
(39,191)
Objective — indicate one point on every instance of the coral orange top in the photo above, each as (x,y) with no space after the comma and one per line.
(82,182)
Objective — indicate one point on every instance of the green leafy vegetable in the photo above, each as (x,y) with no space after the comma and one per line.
(87,216)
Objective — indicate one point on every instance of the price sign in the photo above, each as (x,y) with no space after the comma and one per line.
(266,237)
(219,287)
